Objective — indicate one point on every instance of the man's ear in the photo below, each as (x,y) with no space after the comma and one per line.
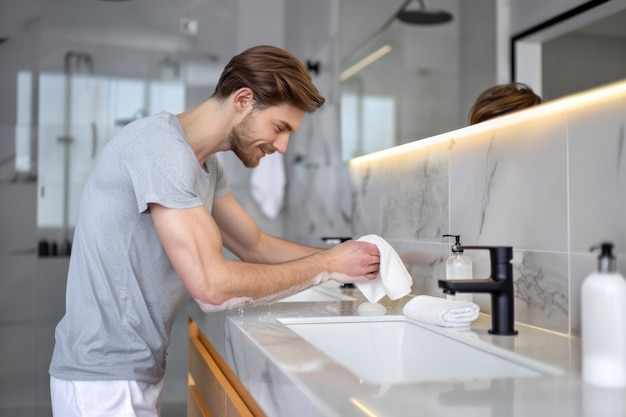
(243,98)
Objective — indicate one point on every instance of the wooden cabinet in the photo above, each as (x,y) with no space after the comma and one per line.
(213,388)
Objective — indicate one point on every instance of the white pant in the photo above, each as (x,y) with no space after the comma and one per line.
(105,398)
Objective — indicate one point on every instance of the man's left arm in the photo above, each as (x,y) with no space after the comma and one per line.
(242,236)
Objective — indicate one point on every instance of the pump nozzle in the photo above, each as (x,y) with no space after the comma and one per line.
(606,260)
(455,247)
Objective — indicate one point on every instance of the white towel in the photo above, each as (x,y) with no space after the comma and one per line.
(441,312)
(393,279)
(267,184)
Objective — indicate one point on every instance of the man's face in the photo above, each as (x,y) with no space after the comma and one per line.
(263,132)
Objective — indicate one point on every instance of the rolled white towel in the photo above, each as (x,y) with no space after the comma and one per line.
(441,312)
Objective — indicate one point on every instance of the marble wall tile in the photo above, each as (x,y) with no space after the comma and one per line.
(403,197)
(505,186)
(597,184)
(316,203)
(551,186)
(316,180)
(540,280)
(581,265)
(425,261)
(508,186)
(542,290)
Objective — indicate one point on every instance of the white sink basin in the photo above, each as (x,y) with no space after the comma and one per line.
(392,350)
(325,292)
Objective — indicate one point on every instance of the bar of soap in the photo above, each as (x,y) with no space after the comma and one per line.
(371,309)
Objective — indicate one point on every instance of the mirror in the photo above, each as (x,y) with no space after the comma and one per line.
(580,49)
(421,79)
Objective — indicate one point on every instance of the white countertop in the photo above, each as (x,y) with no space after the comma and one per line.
(289,377)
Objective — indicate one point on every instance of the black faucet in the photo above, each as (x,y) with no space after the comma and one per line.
(499,285)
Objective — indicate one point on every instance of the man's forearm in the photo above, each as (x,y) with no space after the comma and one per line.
(274,250)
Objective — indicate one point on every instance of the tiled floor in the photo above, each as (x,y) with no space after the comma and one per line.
(32,297)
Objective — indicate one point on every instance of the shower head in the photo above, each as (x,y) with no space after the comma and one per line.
(412,15)
(422,16)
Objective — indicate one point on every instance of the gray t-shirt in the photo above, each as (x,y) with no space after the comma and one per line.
(122,291)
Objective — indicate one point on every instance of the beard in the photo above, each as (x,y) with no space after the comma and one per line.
(239,139)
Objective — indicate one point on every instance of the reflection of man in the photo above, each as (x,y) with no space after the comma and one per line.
(502,99)
(152,221)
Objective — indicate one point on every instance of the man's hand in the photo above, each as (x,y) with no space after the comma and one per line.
(353,261)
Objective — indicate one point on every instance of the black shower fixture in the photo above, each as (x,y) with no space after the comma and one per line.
(422,15)
(407,13)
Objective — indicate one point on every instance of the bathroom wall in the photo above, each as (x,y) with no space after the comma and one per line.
(317,176)
(549,181)
(18,196)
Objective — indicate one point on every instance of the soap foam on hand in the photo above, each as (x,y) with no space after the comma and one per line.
(441,312)
(393,279)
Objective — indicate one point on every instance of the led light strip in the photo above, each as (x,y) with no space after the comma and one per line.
(576,100)
(370,59)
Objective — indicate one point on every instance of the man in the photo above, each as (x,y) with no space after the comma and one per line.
(152,221)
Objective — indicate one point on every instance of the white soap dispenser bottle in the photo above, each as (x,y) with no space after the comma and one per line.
(603,323)
(458,266)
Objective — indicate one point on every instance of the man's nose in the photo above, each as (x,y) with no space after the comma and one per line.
(281,142)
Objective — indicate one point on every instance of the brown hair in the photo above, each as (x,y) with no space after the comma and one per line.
(275,77)
(502,99)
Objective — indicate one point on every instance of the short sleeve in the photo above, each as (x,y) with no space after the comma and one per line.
(163,170)
(219,176)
